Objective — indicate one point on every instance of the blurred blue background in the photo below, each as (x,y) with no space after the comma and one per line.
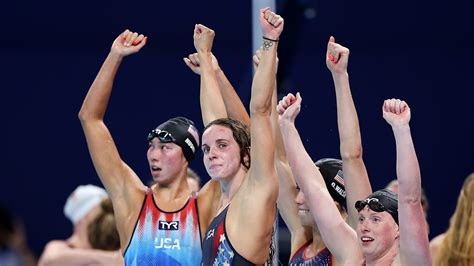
(420,51)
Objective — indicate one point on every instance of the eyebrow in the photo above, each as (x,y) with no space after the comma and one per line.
(217,140)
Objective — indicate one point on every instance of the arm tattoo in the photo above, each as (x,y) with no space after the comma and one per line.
(267,44)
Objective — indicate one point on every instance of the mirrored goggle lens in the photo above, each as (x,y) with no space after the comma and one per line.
(374,205)
(162,135)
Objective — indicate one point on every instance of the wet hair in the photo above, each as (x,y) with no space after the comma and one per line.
(102,231)
(241,135)
(458,245)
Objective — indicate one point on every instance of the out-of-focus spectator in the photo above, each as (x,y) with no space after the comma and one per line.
(102,229)
(393,186)
(194,181)
(14,249)
(456,245)
(87,209)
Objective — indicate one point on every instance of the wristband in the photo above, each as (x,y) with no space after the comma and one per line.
(268,39)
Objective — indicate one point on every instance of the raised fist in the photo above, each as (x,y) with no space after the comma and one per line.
(271,23)
(128,43)
(203,38)
(289,107)
(396,112)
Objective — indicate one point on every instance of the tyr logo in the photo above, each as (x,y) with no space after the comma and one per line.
(164,225)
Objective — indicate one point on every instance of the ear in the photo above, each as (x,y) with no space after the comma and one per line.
(397,233)
(246,158)
(185,164)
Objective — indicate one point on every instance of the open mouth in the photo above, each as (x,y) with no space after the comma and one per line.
(303,210)
(155,168)
(366,239)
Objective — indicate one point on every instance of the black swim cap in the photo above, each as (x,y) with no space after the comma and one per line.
(331,170)
(179,131)
(388,200)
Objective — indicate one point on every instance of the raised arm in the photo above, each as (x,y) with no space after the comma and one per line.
(339,237)
(355,174)
(258,193)
(124,187)
(287,206)
(263,146)
(414,245)
(233,105)
(212,102)
(287,189)
(60,253)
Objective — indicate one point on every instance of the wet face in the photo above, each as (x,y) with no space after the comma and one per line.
(221,152)
(166,161)
(303,210)
(377,233)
